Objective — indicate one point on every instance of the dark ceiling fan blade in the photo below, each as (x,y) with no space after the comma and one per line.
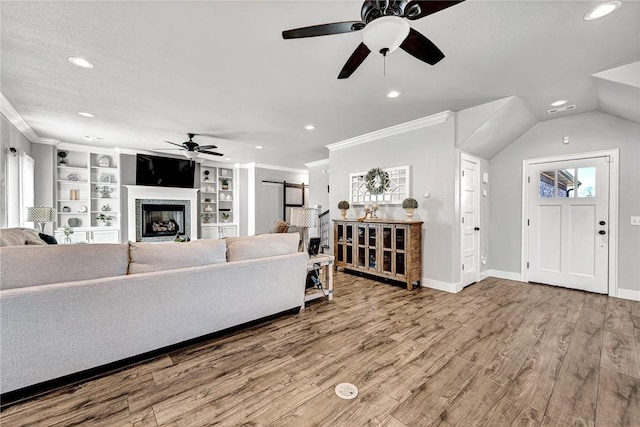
(177,145)
(354,61)
(206,147)
(210,152)
(422,48)
(323,30)
(420,8)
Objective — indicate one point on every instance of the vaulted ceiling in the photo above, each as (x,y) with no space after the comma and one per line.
(163,69)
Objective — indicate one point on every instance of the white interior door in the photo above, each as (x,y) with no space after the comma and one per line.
(469,188)
(569,223)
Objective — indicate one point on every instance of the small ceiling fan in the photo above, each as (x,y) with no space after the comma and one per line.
(385,28)
(191,149)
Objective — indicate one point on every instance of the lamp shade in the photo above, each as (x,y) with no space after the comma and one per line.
(304,217)
(387,32)
(40,214)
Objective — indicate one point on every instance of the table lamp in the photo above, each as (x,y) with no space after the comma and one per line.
(41,215)
(304,218)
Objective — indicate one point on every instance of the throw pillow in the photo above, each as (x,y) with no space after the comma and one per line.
(49,240)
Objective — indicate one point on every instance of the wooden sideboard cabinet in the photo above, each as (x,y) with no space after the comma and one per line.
(384,248)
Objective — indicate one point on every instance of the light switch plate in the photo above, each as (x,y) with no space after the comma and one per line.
(635,220)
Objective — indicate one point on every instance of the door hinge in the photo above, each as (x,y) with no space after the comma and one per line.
(463,172)
(462,267)
(527,264)
(463,220)
(529,179)
(528,222)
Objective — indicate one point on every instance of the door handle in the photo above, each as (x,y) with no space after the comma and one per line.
(476,228)
(602,232)
(602,223)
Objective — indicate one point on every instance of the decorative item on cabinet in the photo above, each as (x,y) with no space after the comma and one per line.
(104,162)
(343,205)
(105,208)
(105,191)
(206,175)
(208,208)
(410,205)
(74,222)
(225,217)
(66,209)
(225,183)
(73,177)
(62,161)
(74,194)
(68,231)
(103,219)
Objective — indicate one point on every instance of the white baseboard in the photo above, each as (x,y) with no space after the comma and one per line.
(441,286)
(503,275)
(629,294)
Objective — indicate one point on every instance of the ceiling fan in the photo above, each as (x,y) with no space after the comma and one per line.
(191,149)
(385,28)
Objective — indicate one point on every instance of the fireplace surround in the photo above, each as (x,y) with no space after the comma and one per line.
(157,214)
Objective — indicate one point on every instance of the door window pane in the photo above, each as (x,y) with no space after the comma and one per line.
(586,182)
(547,184)
(566,183)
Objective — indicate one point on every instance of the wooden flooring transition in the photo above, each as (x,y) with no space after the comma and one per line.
(499,353)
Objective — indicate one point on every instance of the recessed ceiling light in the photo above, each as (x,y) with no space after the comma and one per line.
(80,62)
(83,114)
(309,127)
(259,147)
(227,158)
(92,138)
(558,102)
(602,10)
(394,94)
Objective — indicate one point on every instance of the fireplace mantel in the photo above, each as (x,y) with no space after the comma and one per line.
(142,192)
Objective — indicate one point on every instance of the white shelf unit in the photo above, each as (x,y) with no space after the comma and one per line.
(218,201)
(88,185)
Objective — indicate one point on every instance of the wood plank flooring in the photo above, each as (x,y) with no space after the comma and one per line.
(499,353)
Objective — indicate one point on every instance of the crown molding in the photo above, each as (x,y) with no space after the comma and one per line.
(16,119)
(317,163)
(280,168)
(423,122)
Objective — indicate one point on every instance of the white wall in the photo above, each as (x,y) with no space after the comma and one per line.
(269,197)
(319,185)
(430,153)
(10,136)
(587,132)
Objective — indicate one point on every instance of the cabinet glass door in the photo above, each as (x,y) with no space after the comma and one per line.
(400,239)
(400,267)
(349,243)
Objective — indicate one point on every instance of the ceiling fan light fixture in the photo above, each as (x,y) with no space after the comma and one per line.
(602,10)
(385,33)
(80,62)
(190,154)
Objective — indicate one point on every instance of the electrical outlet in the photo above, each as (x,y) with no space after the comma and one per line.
(635,220)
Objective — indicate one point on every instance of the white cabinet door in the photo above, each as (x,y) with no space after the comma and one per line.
(105,236)
(569,223)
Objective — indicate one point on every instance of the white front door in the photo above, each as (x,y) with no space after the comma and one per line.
(569,223)
(469,187)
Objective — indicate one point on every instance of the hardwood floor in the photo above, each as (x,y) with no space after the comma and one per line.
(499,353)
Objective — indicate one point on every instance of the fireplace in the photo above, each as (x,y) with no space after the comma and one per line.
(162,220)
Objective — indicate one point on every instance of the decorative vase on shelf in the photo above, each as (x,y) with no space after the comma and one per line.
(343,213)
(410,205)
(343,205)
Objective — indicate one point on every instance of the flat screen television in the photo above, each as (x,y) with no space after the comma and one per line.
(164,171)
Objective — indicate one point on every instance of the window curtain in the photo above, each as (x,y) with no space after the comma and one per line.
(20,177)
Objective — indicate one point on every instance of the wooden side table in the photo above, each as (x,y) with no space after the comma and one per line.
(324,262)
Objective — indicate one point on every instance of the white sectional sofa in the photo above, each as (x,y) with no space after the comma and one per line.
(69,308)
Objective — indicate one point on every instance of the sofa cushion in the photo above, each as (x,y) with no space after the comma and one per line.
(19,237)
(262,245)
(24,266)
(147,256)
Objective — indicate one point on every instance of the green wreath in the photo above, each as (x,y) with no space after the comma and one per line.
(377,181)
